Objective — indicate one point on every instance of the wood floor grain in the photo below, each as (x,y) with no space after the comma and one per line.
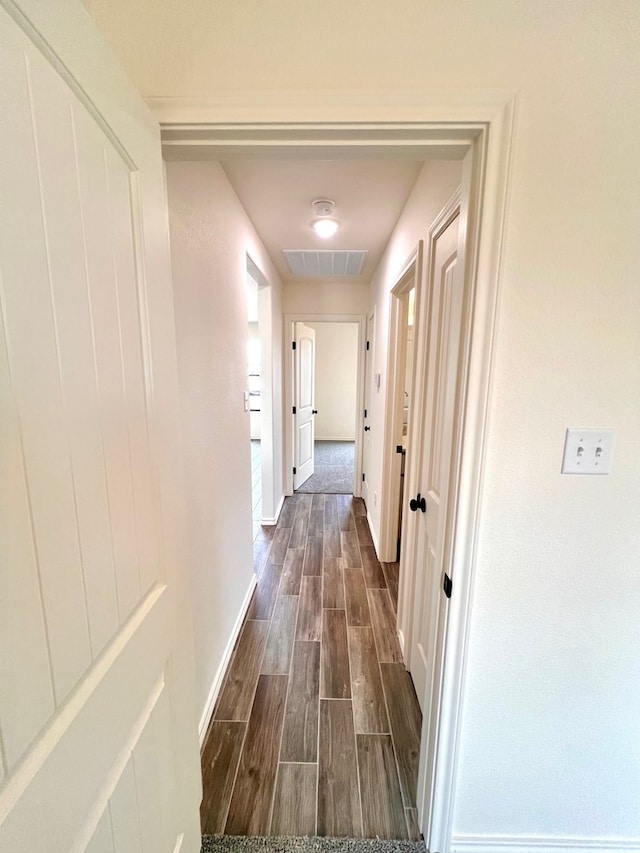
(411,816)
(300,730)
(294,804)
(392,575)
(313,556)
(264,596)
(305,502)
(333,584)
(382,809)
(406,725)
(383,619)
(358,507)
(356,598)
(314,667)
(369,709)
(279,545)
(310,610)
(345,516)
(362,529)
(332,544)
(288,513)
(277,654)
(292,572)
(316,522)
(373,574)
(351,550)
(339,812)
(261,548)
(259,760)
(300,529)
(330,511)
(239,686)
(335,682)
(219,764)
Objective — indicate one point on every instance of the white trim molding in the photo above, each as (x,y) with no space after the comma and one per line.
(409,277)
(539,844)
(218,678)
(273,520)
(374,538)
(445,109)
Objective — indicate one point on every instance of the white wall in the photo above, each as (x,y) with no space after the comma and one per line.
(336,382)
(326,298)
(210,238)
(550,738)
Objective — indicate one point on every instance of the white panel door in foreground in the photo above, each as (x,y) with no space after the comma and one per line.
(98,745)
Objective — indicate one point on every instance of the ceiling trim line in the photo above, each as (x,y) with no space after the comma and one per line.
(375,106)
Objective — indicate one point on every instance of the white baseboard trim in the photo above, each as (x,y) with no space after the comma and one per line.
(540,844)
(214,692)
(334,438)
(373,535)
(270,522)
(401,641)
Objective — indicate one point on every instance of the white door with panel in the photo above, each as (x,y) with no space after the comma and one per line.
(368,382)
(444,305)
(98,742)
(304,401)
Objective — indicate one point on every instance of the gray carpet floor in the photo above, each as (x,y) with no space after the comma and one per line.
(333,469)
(255,844)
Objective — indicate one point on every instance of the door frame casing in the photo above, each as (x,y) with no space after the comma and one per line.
(410,276)
(289,375)
(369,361)
(411,592)
(267,414)
(417,123)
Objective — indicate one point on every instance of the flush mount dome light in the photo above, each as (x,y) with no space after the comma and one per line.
(324,225)
(325,228)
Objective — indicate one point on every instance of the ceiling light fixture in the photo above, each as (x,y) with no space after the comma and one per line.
(325,228)
(324,225)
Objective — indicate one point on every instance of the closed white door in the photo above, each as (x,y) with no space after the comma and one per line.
(368,380)
(98,742)
(304,398)
(444,292)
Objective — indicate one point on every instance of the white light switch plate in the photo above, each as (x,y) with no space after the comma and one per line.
(588,451)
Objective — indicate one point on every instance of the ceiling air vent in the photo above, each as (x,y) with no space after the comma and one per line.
(308,262)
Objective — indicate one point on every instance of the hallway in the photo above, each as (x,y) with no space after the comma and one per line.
(317,728)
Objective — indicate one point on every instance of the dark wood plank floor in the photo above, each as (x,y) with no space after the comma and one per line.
(317,728)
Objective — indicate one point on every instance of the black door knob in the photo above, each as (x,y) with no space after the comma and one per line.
(314,411)
(418,503)
(366,429)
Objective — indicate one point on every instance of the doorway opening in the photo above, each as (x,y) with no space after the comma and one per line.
(401,370)
(325,389)
(484,142)
(333,382)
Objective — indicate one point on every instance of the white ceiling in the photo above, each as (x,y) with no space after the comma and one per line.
(369,197)
(175,48)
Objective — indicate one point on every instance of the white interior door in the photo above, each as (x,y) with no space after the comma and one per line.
(98,742)
(304,398)
(444,318)
(368,380)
